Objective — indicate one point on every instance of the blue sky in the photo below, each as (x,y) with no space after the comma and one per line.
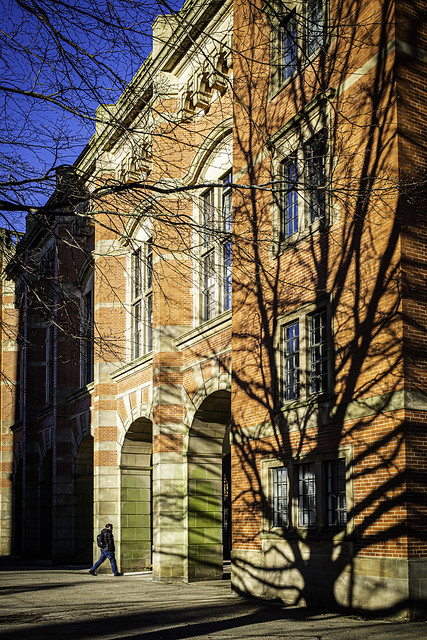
(58,61)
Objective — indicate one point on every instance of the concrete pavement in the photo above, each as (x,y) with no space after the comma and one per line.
(40,602)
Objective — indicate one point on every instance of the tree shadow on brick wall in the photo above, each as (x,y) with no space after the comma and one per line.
(325,321)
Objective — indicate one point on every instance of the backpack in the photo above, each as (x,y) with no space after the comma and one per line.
(100,540)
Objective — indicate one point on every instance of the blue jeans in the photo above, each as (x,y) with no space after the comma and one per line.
(111,557)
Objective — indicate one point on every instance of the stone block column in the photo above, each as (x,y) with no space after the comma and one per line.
(109,354)
(169,462)
(106,489)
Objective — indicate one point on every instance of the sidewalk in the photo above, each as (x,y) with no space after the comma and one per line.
(39,602)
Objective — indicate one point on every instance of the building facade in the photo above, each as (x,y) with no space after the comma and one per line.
(217,324)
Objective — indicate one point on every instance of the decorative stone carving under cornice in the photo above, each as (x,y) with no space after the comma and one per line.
(136,164)
(197,93)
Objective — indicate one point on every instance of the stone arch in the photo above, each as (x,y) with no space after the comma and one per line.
(135,411)
(83,501)
(208,446)
(81,430)
(208,146)
(136,496)
(220,381)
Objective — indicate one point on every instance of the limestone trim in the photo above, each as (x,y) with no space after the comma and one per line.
(402,400)
(108,248)
(138,390)
(204,331)
(409,49)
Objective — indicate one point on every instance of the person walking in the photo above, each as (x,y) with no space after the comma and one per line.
(107,551)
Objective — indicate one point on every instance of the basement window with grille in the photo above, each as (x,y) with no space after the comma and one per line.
(306,494)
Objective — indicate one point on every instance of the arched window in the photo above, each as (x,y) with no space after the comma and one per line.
(142,299)
(216,249)
(215,235)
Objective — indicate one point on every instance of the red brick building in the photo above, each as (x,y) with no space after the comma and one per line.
(274,414)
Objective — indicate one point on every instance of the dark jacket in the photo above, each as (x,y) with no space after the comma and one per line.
(109,540)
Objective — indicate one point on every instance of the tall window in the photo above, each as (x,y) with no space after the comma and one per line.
(291,361)
(319,363)
(227,218)
(136,303)
(289,46)
(208,255)
(216,250)
(336,493)
(315,153)
(303,180)
(305,352)
(314,26)
(142,300)
(290,198)
(303,186)
(280,496)
(298,33)
(148,295)
(306,495)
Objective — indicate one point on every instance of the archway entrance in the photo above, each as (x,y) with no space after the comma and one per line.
(83,502)
(209,486)
(136,497)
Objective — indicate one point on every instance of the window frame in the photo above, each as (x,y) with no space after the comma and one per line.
(289,201)
(280,508)
(303,317)
(215,256)
(316,353)
(296,191)
(312,51)
(282,519)
(288,43)
(291,369)
(141,299)
(280,15)
(136,303)
(331,506)
(291,143)
(208,223)
(148,295)
(227,241)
